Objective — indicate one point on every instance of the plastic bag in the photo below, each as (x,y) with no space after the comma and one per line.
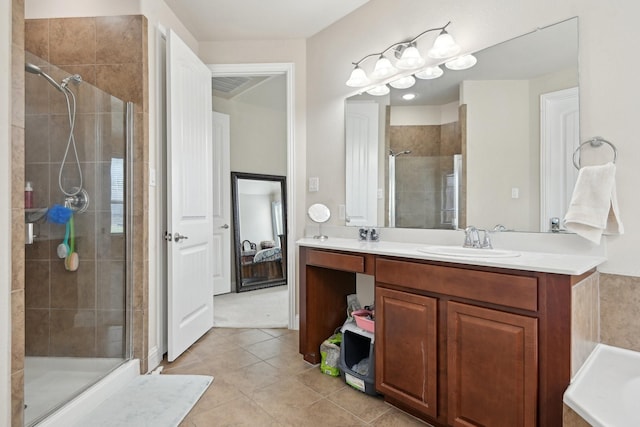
(330,355)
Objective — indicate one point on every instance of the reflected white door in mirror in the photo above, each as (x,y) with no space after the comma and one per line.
(319,214)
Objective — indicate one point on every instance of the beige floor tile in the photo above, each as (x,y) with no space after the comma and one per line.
(253,377)
(284,396)
(278,332)
(322,413)
(360,404)
(267,349)
(319,382)
(219,393)
(397,418)
(252,336)
(223,363)
(239,412)
(290,364)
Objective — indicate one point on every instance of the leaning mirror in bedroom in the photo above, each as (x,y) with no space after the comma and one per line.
(260,224)
(484,146)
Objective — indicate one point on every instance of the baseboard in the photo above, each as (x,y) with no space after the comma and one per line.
(154,359)
(82,405)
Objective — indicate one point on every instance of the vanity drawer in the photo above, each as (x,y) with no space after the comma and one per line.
(496,288)
(336,261)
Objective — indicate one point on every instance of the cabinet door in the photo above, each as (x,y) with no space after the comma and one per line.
(406,348)
(492,367)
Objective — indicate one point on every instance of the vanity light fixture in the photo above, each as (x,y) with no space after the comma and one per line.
(409,64)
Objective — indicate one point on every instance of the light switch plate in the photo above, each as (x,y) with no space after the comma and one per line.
(314,183)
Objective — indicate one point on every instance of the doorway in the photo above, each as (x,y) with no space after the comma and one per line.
(265,93)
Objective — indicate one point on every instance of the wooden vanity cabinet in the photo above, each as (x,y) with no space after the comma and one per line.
(456,344)
(492,369)
(407,349)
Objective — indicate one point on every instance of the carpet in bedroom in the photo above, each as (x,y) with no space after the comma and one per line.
(262,308)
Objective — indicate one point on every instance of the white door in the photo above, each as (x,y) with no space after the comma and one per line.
(221,205)
(361,163)
(559,137)
(189,197)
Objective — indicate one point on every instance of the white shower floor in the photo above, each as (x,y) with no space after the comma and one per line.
(50,382)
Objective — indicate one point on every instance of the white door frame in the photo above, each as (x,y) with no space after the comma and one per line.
(267,69)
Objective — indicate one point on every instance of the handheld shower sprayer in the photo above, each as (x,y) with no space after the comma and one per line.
(71,110)
(34,69)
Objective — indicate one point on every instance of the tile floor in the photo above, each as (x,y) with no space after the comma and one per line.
(262,380)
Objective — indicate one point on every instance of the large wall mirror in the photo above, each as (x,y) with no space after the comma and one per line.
(485,146)
(260,230)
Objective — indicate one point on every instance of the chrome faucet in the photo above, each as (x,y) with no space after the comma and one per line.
(472,238)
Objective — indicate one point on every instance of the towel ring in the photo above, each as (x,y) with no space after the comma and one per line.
(596,141)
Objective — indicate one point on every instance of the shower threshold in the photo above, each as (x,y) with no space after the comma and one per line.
(51,382)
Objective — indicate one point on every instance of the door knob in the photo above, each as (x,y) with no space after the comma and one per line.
(225,226)
(177,237)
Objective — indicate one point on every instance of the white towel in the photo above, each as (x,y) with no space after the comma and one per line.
(593,209)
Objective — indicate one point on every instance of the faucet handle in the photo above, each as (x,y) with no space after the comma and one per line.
(486,240)
(470,236)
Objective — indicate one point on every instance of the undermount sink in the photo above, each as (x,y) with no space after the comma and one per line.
(462,252)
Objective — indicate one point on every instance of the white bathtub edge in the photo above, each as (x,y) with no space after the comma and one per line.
(79,407)
(572,394)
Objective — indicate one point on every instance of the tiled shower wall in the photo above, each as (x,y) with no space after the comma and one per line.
(110,53)
(80,313)
(419,175)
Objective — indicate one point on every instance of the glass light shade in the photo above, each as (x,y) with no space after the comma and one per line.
(444,46)
(383,69)
(403,82)
(461,63)
(379,90)
(358,78)
(410,59)
(429,73)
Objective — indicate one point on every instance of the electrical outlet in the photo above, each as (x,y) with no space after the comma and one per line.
(515,193)
(314,184)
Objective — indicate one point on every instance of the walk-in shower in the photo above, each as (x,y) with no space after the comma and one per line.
(77,314)
(423,191)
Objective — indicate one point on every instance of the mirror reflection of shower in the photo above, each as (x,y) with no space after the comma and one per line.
(392,184)
(76,197)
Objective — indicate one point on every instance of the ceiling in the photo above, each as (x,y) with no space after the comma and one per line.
(223,20)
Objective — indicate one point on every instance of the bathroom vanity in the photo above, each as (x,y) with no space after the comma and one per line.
(460,341)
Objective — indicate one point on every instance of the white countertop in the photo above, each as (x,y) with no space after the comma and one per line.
(529,261)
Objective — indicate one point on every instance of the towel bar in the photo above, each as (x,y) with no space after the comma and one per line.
(596,141)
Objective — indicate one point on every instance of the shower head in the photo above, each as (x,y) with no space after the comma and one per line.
(74,78)
(34,69)
(399,153)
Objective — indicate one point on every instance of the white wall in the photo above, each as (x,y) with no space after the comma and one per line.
(423,115)
(498,128)
(609,92)
(5,214)
(258,127)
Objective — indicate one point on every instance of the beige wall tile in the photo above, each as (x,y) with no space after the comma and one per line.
(123,81)
(37,329)
(17,399)
(118,39)
(37,37)
(585,319)
(17,330)
(620,311)
(72,41)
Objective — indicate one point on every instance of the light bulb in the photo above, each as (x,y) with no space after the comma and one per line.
(383,69)
(410,59)
(461,63)
(379,90)
(429,73)
(358,78)
(403,82)
(444,46)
